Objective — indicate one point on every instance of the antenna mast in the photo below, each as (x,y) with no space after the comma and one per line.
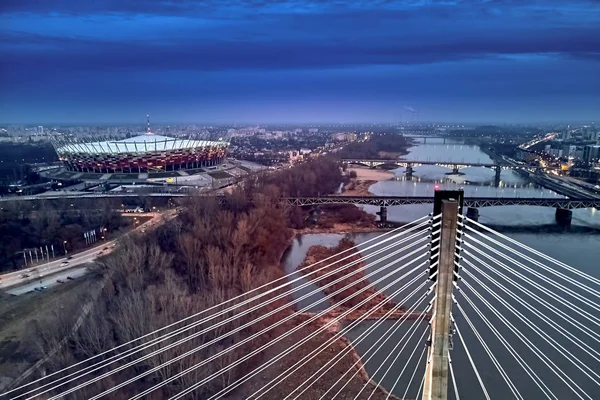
(148,119)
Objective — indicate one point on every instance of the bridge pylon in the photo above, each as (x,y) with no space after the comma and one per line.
(437,369)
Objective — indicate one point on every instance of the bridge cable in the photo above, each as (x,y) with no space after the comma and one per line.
(412,377)
(427,220)
(264,316)
(221,338)
(258,334)
(387,336)
(537,380)
(535,350)
(347,349)
(541,277)
(490,354)
(298,344)
(537,253)
(578,310)
(481,384)
(564,352)
(420,388)
(358,340)
(574,282)
(452,377)
(549,321)
(153,342)
(419,340)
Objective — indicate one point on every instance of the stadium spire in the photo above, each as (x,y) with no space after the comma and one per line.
(148,119)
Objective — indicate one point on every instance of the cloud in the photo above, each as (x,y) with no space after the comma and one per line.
(115,48)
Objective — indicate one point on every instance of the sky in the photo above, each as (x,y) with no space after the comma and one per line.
(271,61)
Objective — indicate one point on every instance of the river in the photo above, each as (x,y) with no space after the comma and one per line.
(533,226)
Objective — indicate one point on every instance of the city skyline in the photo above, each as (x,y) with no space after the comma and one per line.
(300,62)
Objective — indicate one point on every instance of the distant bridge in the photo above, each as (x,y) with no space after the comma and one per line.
(472,202)
(417,135)
(381,201)
(448,164)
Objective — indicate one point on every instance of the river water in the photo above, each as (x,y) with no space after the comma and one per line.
(579,247)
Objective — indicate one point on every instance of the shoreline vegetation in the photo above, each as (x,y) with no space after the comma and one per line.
(211,253)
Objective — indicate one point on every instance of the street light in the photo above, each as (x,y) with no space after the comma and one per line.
(65,247)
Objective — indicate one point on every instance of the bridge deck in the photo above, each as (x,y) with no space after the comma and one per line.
(476,202)
(385,201)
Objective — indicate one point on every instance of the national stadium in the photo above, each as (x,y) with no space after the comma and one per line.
(146,152)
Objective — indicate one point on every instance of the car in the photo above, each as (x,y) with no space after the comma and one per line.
(37,289)
(25,276)
(106,248)
(43,287)
(62,264)
(68,258)
(60,281)
(70,278)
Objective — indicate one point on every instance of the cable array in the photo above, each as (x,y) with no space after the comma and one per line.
(411,240)
(527,327)
(538,311)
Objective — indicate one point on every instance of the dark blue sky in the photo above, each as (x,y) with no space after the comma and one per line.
(299,61)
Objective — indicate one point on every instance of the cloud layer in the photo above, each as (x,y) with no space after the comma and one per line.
(75,47)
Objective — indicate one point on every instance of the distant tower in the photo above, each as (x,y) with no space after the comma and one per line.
(148,119)
(40,130)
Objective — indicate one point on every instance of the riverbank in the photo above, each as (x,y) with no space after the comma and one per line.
(359,290)
(337,218)
(363,180)
(324,346)
(368,174)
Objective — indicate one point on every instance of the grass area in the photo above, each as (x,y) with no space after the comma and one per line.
(19,318)
(220,175)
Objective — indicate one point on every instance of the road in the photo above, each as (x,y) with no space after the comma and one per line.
(50,272)
(48,280)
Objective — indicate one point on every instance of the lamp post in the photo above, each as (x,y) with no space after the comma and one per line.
(65,247)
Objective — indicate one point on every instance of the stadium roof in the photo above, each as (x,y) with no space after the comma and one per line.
(137,144)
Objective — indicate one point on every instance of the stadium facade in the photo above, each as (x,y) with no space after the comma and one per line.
(143,153)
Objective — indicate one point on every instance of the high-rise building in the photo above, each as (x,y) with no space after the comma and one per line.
(569,151)
(596,135)
(591,153)
(40,130)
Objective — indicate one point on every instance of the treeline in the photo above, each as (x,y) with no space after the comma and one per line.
(213,252)
(25,227)
(319,176)
(376,147)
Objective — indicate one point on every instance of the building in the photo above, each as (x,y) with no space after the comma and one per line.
(569,151)
(143,153)
(591,153)
(524,155)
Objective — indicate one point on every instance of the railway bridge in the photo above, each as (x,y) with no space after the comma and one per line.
(563,206)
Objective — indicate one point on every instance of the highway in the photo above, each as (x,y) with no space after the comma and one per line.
(29,278)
